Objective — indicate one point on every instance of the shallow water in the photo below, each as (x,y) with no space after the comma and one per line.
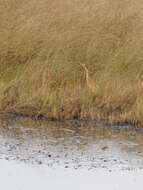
(71,146)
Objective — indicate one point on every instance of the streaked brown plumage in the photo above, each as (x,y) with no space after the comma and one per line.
(91,84)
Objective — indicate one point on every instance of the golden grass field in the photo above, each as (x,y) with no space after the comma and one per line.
(44,44)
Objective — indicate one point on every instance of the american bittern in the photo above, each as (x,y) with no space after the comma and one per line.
(91,84)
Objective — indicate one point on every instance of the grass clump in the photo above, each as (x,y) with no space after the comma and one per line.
(43,44)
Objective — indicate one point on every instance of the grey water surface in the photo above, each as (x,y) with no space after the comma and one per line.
(71,145)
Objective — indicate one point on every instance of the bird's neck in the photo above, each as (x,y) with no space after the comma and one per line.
(87,76)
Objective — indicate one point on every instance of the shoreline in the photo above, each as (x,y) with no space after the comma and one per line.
(77,121)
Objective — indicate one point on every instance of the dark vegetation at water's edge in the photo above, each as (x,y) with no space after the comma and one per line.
(76,122)
(72,60)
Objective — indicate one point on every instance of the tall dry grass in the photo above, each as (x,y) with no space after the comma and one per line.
(43,43)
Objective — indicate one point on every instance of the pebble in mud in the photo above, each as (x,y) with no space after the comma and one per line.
(104,148)
(39,162)
(93,166)
(79,166)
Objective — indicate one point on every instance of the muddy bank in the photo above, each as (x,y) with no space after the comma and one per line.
(71,146)
(41,154)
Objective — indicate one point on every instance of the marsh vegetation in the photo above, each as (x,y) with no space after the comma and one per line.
(43,45)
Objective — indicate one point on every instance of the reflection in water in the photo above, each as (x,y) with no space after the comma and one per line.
(70,145)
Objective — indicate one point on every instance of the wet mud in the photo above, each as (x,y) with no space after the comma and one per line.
(71,145)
